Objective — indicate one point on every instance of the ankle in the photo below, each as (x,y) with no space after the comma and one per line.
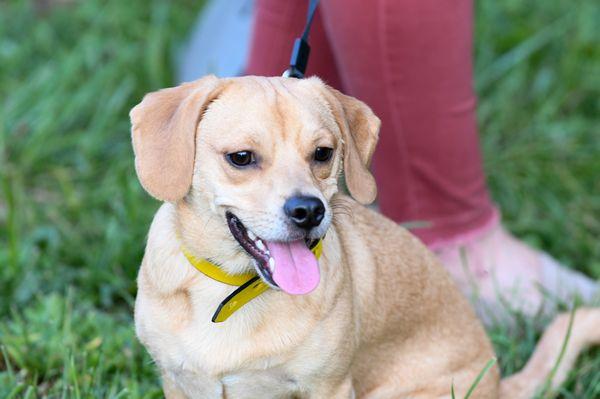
(464,238)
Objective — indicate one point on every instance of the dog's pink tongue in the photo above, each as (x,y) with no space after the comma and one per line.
(296,269)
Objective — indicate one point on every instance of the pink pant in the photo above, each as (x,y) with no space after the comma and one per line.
(410,60)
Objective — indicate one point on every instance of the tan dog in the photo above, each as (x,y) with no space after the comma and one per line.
(249,171)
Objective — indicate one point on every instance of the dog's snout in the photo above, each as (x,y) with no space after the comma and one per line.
(306,212)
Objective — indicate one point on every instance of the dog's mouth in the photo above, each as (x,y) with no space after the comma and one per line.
(289,266)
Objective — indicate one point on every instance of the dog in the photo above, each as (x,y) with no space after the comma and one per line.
(249,171)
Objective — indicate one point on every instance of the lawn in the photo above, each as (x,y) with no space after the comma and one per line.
(73,217)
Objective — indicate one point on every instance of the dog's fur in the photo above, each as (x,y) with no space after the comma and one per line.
(385,321)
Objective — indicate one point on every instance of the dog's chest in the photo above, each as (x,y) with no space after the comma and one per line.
(239,364)
(245,348)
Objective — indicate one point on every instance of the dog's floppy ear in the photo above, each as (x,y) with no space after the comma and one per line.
(164,136)
(360,131)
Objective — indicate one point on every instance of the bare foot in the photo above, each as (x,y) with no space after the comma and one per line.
(500,274)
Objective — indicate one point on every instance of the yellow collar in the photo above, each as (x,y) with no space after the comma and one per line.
(251,285)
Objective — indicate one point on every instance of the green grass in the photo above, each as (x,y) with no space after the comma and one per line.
(73,217)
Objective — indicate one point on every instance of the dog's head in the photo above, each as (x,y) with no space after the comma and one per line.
(260,158)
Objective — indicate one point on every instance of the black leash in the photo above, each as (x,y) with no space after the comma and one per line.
(301,49)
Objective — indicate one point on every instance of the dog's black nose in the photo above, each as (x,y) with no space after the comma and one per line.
(306,212)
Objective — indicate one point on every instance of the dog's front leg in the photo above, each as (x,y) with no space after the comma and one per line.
(171,390)
(264,384)
(188,385)
(342,390)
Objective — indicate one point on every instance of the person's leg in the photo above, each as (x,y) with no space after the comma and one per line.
(410,60)
(276,25)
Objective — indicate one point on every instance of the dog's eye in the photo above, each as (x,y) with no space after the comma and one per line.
(241,158)
(323,154)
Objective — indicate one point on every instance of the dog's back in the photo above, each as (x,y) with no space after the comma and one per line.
(410,313)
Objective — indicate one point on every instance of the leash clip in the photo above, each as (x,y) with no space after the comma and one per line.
(301,50)
(299,59)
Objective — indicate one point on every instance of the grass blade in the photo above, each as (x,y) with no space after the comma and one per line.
(482,374)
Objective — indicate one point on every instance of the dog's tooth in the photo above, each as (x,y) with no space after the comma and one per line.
(251,235)
(260,245)
(271,265)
